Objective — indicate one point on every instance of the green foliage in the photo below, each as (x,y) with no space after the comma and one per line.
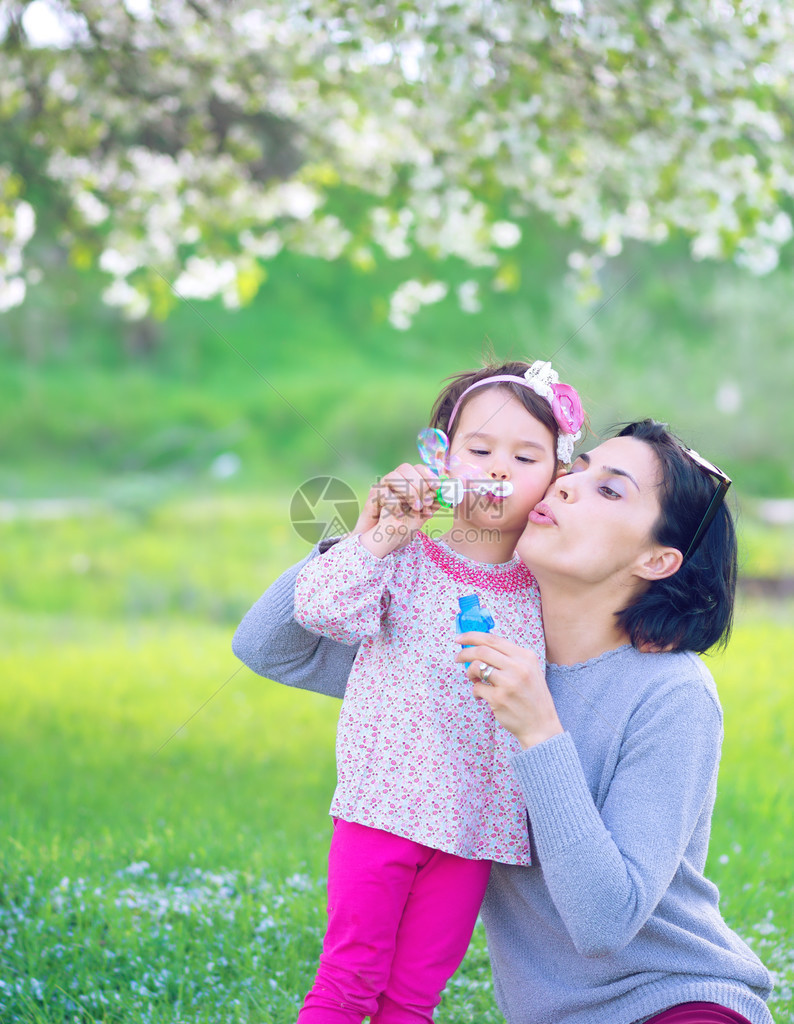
(311,378)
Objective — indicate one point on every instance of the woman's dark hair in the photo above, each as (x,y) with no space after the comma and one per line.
(691,610)
(534,404)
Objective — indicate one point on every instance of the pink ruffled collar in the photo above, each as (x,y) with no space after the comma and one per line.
(506,578)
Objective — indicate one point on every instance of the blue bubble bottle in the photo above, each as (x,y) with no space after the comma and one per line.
(472,618)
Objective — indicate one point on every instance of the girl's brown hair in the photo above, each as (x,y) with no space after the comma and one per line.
(458,382)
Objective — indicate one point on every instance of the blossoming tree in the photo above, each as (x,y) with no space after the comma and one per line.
(180,144)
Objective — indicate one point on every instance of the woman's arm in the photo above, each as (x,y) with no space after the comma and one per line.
(608,869)
(607,863)
(271,642)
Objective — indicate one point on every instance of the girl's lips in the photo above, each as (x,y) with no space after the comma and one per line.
(498,489)
(501,489)
(542,515)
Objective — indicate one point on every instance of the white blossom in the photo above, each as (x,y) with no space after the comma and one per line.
(728,399)
(409,298)
(12,292)
(505,235)
(132,302)
(222,135)
(469,297)
(204,278)
(119,264)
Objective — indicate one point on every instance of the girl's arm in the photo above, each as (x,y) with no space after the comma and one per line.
(273,644)
(269,640)
(345,595)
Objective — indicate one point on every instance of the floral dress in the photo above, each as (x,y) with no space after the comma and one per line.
(417,755)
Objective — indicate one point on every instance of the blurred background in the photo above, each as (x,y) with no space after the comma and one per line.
(312,377)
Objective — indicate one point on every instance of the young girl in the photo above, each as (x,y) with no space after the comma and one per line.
(426,797)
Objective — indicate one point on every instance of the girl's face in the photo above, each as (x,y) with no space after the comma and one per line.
(596,522)
(496,435)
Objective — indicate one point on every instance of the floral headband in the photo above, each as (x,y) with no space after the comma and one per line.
(565,403)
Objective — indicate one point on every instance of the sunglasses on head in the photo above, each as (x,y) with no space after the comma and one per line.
(723,483)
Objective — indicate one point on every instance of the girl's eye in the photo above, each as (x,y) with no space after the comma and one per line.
(478,451)
(525,458)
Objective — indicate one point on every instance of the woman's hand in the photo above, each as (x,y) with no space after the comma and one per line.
(397,507)
(516,689)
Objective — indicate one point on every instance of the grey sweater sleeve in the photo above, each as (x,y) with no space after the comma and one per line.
(607,869)
(271,642)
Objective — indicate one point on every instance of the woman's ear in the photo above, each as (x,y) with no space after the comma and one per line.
(659,563)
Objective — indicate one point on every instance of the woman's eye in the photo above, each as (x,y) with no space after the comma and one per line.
(608,492)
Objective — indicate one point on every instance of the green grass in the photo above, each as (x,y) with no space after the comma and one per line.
(128,865)
(153,873)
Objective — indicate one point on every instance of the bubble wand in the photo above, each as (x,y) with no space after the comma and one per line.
(433,447)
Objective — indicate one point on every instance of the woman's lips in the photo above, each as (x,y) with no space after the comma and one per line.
(542,515)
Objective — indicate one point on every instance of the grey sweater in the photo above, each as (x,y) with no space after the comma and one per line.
(614,921)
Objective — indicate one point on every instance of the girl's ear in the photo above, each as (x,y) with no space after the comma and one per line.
(659,563)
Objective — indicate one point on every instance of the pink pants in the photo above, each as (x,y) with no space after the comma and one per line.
(698,1013)
(400,917)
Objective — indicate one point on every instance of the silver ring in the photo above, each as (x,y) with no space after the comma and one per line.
(485,672)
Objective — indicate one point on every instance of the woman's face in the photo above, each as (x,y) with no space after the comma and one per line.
(596,521)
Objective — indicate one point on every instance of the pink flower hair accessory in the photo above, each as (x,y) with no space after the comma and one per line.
(565,405)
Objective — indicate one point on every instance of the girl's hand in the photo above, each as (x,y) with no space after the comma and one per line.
(516,689)
(396,507)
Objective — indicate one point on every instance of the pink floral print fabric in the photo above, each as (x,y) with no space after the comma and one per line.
(417,755)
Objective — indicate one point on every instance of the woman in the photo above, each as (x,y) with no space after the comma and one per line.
(634,551)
